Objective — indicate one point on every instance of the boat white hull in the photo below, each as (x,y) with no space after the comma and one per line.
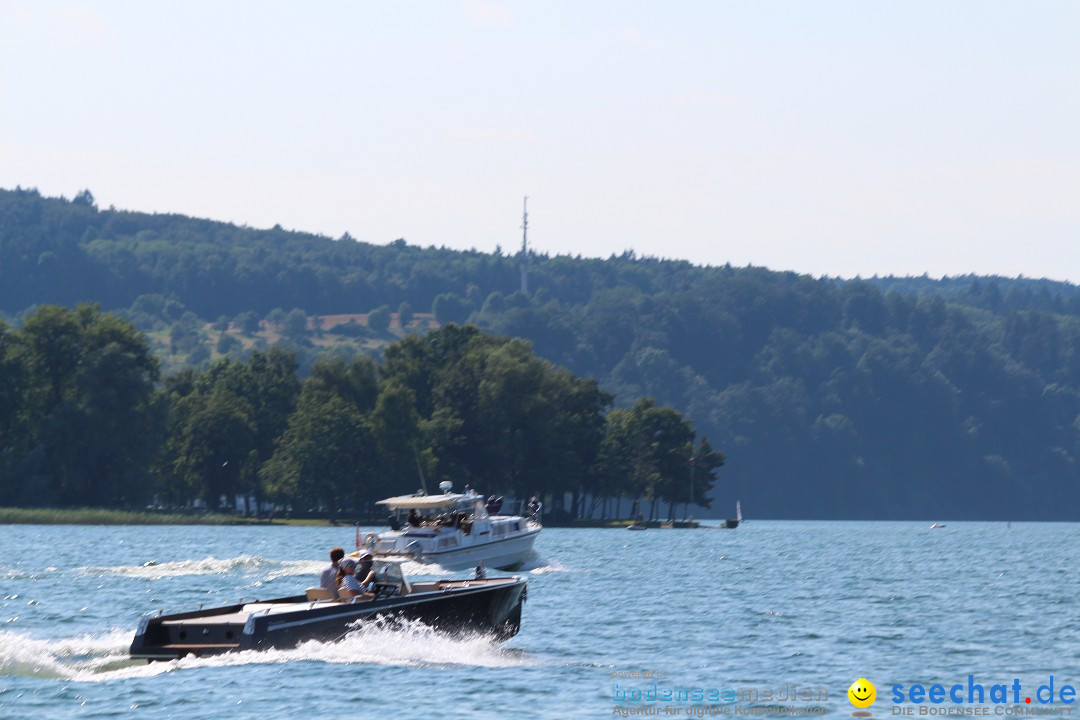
(505,554)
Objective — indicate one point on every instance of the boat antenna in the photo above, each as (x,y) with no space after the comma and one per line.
(419,470)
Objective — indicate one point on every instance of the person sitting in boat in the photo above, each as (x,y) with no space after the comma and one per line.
(494,505)
(534,505)
(329,578)
(364,574)
(358,578)
(350,586)
(414,518)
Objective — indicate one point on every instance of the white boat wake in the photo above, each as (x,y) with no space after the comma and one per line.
(534,564)
(104,657)
(250,564)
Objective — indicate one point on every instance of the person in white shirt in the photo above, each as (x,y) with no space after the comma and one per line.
(328,578)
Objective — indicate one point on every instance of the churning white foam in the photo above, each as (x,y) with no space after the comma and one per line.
(411,643)
(537,565)
(104,657)
(65,658)
(211,566)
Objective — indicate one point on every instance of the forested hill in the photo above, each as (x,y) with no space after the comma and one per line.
(880,398)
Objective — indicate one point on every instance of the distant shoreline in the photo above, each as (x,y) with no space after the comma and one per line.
(104,516)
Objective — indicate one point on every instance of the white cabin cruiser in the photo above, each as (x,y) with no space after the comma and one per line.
(456,531)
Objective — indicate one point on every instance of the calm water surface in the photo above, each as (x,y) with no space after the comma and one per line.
(767,606)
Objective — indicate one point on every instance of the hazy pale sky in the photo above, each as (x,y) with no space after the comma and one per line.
(831,138)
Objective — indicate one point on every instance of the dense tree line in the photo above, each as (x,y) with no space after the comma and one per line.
(877,398)
(55,251)
(83,422)
(80,421)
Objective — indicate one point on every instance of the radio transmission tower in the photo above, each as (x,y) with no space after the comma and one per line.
(525,247)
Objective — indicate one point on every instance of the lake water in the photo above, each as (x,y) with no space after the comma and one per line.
(763,608)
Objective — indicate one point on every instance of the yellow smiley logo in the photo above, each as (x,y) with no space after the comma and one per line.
(862,693)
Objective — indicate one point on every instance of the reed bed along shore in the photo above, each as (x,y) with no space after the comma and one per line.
(103,516)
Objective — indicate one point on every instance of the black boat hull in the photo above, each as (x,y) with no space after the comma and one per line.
(491,606)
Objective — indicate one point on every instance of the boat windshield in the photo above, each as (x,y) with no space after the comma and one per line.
(388,572)
(470,506)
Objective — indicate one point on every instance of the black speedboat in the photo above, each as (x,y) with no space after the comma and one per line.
(490,605)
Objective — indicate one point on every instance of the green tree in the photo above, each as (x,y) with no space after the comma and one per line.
(86,199)
(379,319)
(395,427)
(495,304)
(248,322)
(213,446)
(249,403)
(325,455)
(295,326)
(405,314)
(184,335)
(91,416)
(275,318)
(355,382)
(53,341)
(450,308)
(227,343)
(706,462)
(13,381)
(651,447)
(268,382)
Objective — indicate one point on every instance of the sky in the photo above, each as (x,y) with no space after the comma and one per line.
(830,138)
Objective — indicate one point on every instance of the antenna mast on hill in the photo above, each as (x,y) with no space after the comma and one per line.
(525,247)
